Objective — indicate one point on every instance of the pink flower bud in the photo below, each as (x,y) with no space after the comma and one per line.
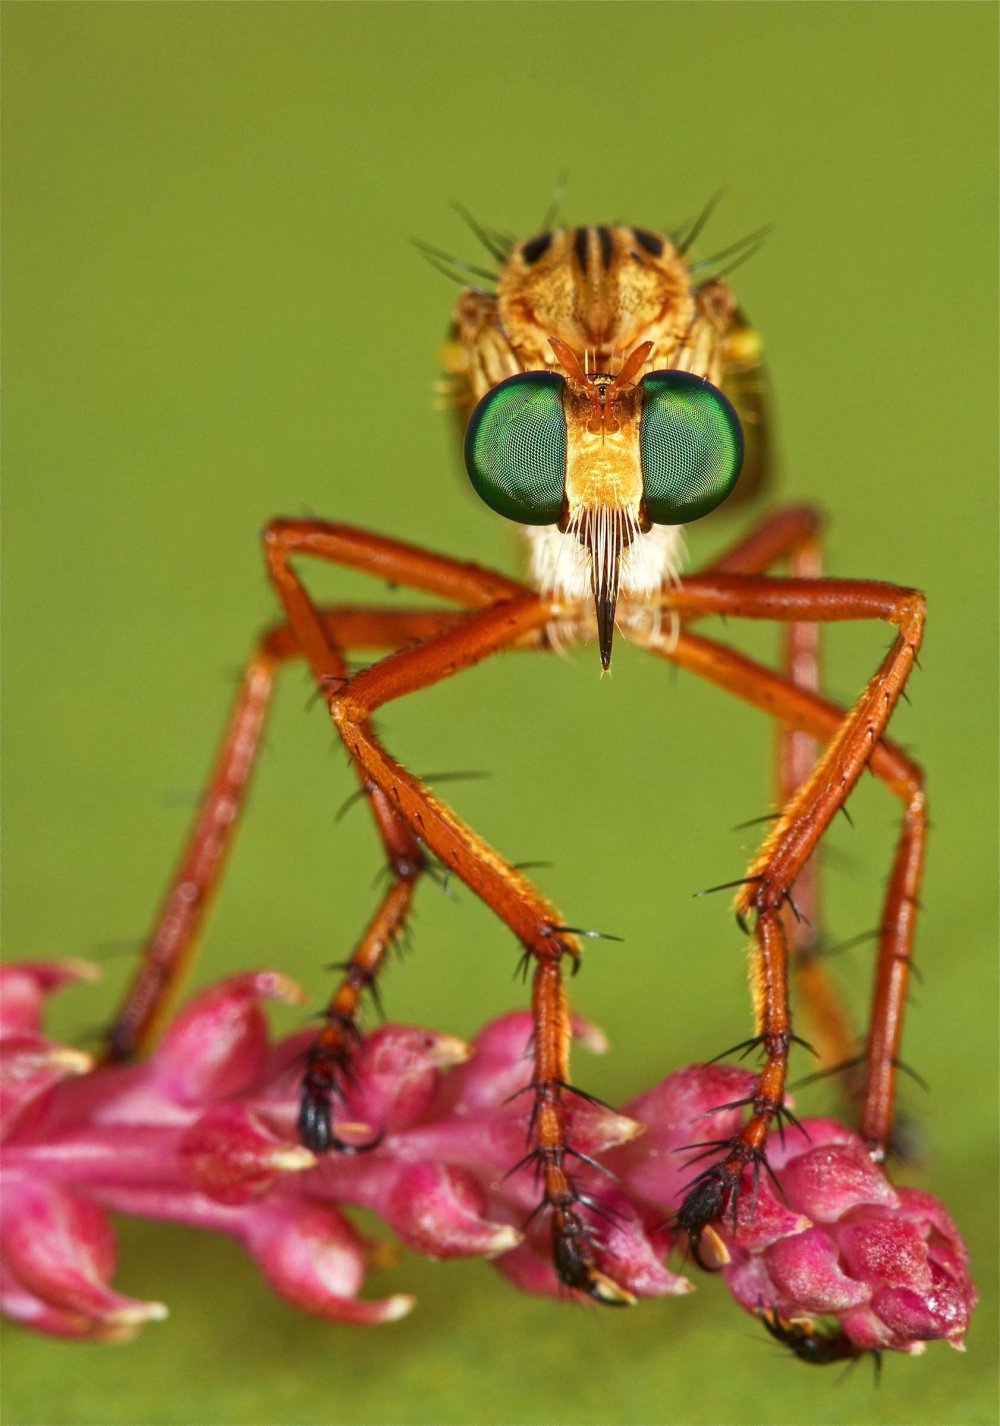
(218,1043)
(440,1211)
(830,1237)
(30,1067)
(59,1256)
(25,988)
(398,1074)
(314,1258)
(228,1155)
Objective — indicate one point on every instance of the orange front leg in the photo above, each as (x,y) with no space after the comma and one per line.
(512,617)
(792,536)
(786,850)
(800,710)
(533,920)
(172,942)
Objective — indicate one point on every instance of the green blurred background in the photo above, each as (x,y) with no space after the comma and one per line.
(213,315)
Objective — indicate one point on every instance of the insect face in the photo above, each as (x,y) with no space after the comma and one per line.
(600,426)
(603,458)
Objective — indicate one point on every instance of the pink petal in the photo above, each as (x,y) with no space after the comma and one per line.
(33,1312)
(806,1271)
(937,1227)
(866,1331)
(499,1066)
(781,1149)
(529,1268)
(30,1067)
(689,1096)
(677,1113)
(761,1217)
(750,1283)
(941,1310)
(631,1252)
(826,1181)
(884,1251)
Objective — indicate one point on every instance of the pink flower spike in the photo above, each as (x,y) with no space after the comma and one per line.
(203,1132)
(218,1043)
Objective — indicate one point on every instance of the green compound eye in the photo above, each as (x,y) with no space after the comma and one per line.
(515,448)
(691,446)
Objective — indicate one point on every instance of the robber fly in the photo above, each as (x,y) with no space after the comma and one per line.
(609,393)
